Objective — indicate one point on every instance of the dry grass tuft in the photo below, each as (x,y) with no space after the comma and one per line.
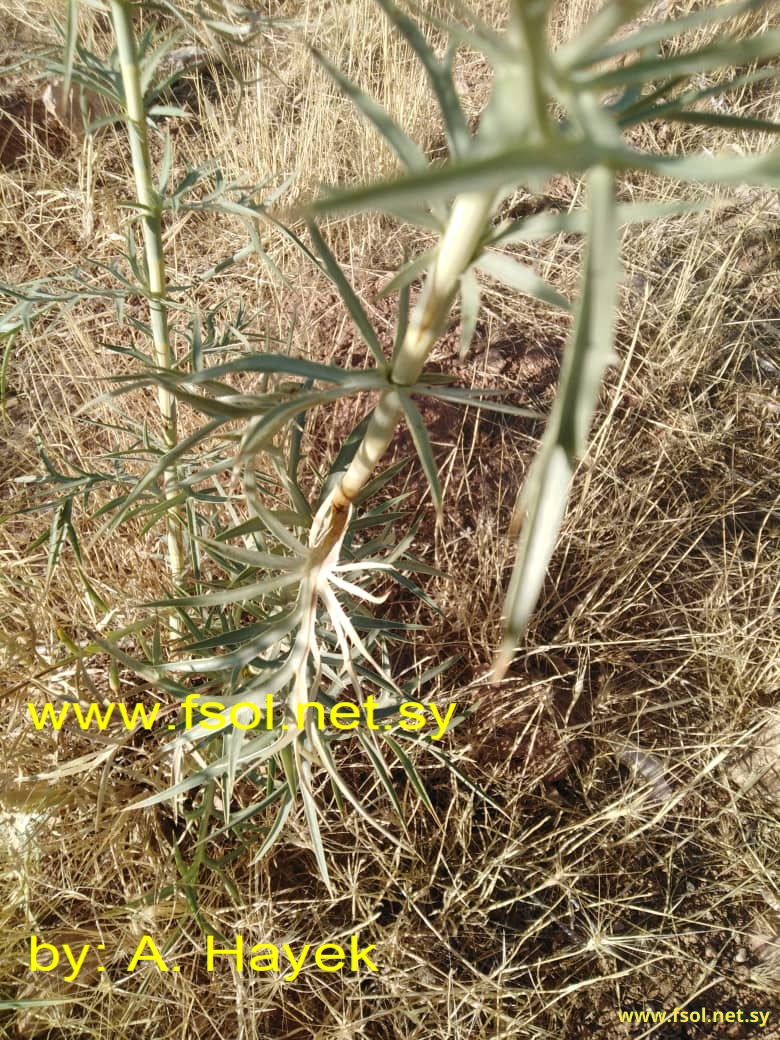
(627,855)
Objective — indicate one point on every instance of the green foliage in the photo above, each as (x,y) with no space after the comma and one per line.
(518,143)
(286,618)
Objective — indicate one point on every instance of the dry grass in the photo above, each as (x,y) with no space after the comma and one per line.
(627,858)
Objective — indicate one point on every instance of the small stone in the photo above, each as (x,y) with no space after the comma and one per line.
(495,360)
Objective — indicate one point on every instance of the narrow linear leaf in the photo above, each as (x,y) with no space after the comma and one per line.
(469,310)
(518,276)
(658,31)
(152,61)
(407,150)
(406,275)
(71,39)
(545,225)
(274,633)
(375,485)
(543,499)
(347,452)
(236,637)
(275,793)
(591,347)
(269,364)
(421,679)
(275,829)
(285,537)
(651,106)
(463,778)
(482,39)
(380,768)
(411,772)
(422,443)
(505,166)
(543,504)
(5,363)
(476,399)
(249,557)
(401,323)
(706,59)
(342,790)
(212,771)
(604,24)
(313,823)
(349,297)
(238,594)
(439,76)
(195,780)
(260,432)
(263,748)
(223,407)
(764,126)
(155,472)
(433,218)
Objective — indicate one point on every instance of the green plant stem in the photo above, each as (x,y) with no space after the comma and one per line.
(151,223)
(470,216)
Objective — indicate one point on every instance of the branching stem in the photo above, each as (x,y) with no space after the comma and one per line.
(469,218)
(151,223)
